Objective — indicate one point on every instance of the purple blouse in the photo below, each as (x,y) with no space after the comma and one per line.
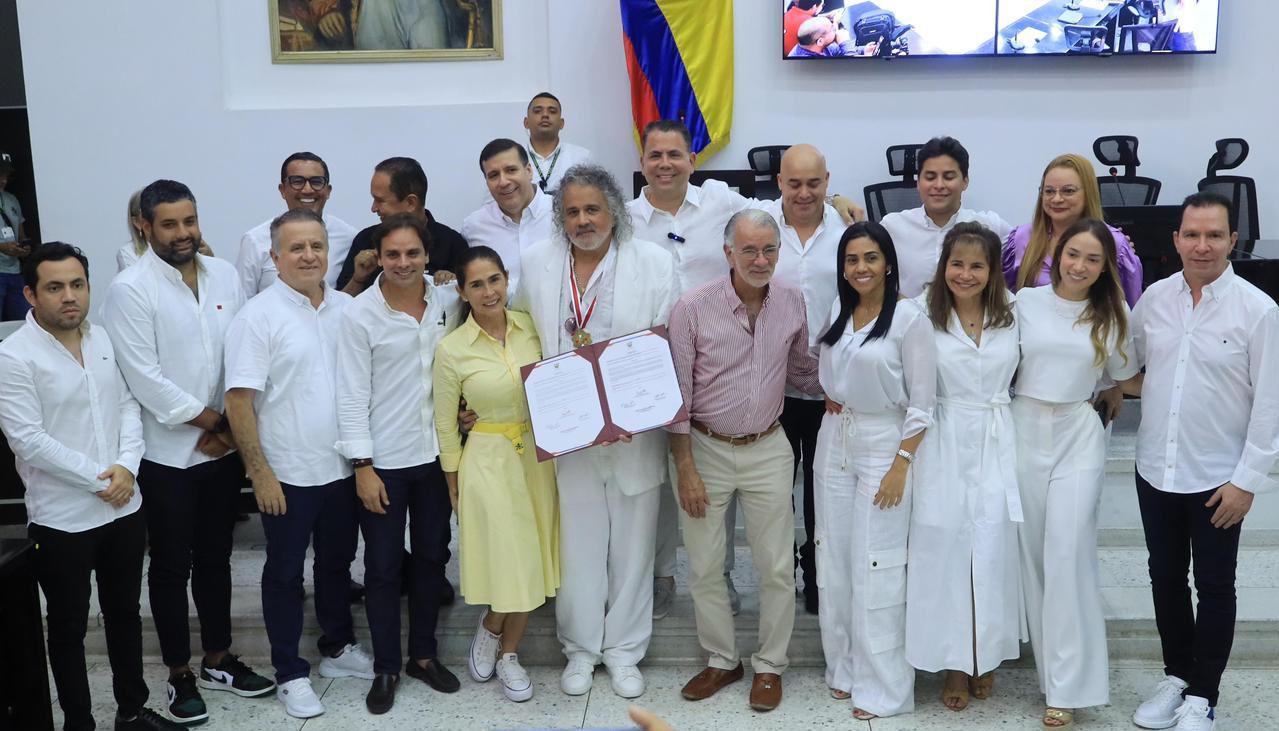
(1129,264)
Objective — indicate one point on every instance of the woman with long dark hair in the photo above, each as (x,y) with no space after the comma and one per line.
(878,369)
(1071,334)
(963,594)
(506,504)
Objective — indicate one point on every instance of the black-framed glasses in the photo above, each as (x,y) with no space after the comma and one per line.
(298,182)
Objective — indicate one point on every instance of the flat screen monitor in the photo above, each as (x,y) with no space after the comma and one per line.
(923,28)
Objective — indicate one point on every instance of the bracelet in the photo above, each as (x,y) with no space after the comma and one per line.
(908,456)
(361,462)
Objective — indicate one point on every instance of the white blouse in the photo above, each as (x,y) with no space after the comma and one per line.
(897,372)
(1057,359)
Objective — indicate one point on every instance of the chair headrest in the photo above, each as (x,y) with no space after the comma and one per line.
(1117,150)
(1230,154)
(901,160)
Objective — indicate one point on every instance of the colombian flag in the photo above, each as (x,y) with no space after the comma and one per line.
(679,54)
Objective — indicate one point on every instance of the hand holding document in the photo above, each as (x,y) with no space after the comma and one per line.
(602,392)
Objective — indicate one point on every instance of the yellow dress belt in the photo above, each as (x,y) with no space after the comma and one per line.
(513,431)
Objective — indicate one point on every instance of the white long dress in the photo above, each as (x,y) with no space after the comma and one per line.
(963,585)
(1061,457)
(888,388)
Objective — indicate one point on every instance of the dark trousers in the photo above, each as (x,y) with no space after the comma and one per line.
(1196,640)
(421,496)
(323,517)
(801,420)
(63,563)
(190,518)
(13,306)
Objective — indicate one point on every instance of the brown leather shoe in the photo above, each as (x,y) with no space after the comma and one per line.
(766,691)
(708,682)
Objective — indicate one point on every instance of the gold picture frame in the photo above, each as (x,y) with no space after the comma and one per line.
(360,31)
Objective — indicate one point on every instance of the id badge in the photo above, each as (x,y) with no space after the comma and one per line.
(7,235)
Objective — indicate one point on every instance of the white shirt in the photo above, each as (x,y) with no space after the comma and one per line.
(700,222)
(1210,401)
(810,266)
(126,256)
(918,242)
(286,350)
(384,360)
(1057,358)
(552,168)
(897,372)
(66,424)
(598,288)
(257,270)
(489,226)
(169,345)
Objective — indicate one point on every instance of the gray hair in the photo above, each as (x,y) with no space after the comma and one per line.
(600,179)
(297,215)
(752,217)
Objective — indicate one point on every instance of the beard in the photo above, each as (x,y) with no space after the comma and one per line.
(590,241)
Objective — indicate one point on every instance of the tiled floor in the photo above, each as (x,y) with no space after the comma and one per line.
(807,705)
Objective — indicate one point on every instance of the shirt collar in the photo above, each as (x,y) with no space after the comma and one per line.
(532,151)
(380,296)
(167,270)
(1217,288)
(692,197)
(474,332)
(734,301)
(296,297)
(85,327)
(929,225)
(537,208)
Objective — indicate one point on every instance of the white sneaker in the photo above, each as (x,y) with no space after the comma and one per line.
(1195,715)
(299,698)
(484,647)
(1160,709)
(352,662)
(577,676)
(515,682)
(628,682)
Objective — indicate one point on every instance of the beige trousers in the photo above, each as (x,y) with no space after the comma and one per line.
(760,475)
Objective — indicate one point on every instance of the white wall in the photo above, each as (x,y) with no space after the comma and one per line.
(123,93)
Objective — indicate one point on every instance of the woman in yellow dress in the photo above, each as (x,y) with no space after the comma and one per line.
(505,499)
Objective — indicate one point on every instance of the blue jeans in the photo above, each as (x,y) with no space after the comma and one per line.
(13,305)
(327,514)
(421,496)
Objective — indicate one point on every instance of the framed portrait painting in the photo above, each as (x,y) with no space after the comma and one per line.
(346,31)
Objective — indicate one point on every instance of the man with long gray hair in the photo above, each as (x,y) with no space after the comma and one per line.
(591,281)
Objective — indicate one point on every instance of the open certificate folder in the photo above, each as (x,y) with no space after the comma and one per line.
(599,392)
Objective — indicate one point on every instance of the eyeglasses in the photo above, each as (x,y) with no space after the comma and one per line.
(769,252)
(298,182)
(1069,191)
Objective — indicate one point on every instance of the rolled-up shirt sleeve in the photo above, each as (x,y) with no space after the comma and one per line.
(22,420)
(1261,445)
(355,388)
(129,321)
(919,371)
(801,363)
(131,446)
(682,333)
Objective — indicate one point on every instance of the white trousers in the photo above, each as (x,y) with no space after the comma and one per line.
(1061,459)
(861,562)
(664,561)
(760,475)
(604,607)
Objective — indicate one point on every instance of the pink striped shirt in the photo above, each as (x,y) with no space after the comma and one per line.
(733,379)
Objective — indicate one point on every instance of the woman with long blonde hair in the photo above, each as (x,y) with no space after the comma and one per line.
(1068,192)
(1071,333)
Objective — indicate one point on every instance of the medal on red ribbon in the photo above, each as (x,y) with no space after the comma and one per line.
(581,338)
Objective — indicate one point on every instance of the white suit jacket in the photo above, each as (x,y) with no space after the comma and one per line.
(645,291)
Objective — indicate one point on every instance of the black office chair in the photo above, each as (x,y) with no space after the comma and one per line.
(1242,191)
(742,181)
(895,195)
(767,163)
(1129,189)
(1146,38)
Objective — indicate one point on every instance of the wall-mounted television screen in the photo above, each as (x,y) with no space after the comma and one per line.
(895,28)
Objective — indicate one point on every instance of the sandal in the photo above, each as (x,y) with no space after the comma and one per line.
(981,685)
(861,715)
(955,698)
(840,695)
(1058,717)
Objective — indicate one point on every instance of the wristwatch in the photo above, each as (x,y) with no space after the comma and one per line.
(361,462)
(908,456)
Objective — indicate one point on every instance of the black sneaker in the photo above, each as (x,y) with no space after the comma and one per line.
(185,704)
(235,676)
(146,720)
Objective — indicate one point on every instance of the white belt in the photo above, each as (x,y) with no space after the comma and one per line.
(998,429)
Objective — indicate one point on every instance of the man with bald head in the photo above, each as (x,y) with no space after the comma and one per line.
(819,36)
(810,230)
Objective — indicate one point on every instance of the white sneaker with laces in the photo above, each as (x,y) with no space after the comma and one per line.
(299,698)
(484,646)
(577,677)
(628,682)
(1160,709)
(352,662)
(515,681)
(1195,715)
